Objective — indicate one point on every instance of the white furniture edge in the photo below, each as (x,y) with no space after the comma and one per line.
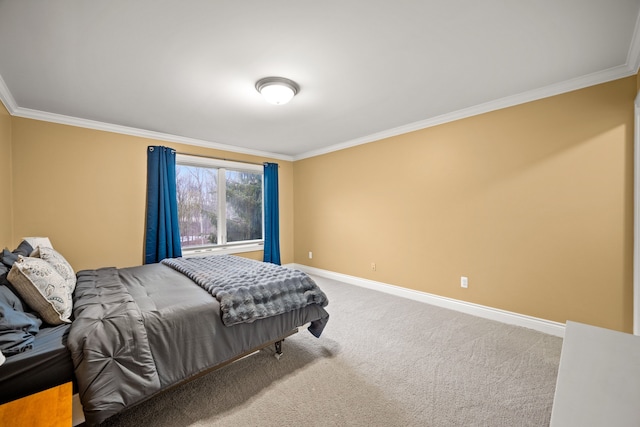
(636,217)
(511,318)
(597,378)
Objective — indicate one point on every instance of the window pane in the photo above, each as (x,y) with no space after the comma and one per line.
(197,189)
(244,205)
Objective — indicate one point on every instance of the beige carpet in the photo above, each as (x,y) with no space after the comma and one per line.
(381,361)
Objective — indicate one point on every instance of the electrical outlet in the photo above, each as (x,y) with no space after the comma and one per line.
(373,266)
(464,282)
(310,255)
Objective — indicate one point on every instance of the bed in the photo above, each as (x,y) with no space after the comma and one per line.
(140,330)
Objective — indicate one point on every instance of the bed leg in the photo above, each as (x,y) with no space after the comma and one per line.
(278,353)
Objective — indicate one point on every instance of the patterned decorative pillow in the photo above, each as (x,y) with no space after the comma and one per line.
(43,288)
(58,262)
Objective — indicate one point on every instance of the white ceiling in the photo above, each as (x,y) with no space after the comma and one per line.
(185,70)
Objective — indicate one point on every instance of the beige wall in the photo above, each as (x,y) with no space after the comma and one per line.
(533,203)
(85,190)
(5,177)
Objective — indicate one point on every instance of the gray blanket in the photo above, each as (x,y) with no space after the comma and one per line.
(249,290)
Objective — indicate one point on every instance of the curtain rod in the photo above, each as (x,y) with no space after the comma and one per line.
(222,158)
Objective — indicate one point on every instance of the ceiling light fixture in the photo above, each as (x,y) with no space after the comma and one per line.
(277,90)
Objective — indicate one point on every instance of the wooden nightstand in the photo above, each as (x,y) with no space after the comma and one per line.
(50,408)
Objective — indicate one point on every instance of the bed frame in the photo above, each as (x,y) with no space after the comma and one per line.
(278,355)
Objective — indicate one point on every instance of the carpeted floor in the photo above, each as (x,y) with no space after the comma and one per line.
(381,361)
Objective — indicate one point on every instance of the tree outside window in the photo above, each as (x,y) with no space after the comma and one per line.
(218,205)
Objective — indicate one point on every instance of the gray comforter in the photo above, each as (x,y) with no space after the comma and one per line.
(139,330)
(249,290)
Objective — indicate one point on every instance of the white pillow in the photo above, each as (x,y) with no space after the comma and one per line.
(38,241)
(58,262)
(40,285)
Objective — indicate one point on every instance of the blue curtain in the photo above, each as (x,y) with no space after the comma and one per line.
(163,233)
(271,215)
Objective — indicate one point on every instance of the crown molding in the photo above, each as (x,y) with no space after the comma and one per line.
(10,103)
(633,57)
(498,104)
(630,68)
(7,98)
(108,127)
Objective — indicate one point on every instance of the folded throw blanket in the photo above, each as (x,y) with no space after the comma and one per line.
(249,290)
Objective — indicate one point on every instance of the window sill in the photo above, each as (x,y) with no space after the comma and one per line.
(230,249)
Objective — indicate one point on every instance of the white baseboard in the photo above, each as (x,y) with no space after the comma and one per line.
(541,325)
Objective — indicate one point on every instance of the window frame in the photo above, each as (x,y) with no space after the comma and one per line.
(222,166)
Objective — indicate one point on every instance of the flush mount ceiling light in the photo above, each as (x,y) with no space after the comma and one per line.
(277,90)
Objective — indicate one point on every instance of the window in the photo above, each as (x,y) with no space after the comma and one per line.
(219,204)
